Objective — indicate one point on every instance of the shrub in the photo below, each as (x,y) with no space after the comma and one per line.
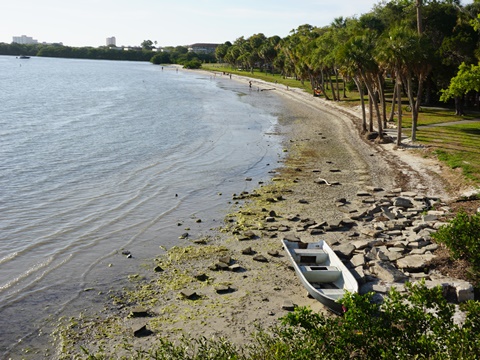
(193,64)
(462,237)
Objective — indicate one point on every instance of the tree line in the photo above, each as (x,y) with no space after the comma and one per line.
(169,55)
(414,46)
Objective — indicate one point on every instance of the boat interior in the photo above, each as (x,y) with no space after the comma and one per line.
(315,266)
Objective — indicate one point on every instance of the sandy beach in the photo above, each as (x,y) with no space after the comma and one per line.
(185,291)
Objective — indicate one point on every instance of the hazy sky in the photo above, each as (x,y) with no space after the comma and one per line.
(172,22)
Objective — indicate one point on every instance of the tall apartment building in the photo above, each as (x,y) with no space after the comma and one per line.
(111,41)
(24,39)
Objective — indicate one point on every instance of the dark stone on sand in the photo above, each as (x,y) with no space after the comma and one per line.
(260,258)
(141,331)
(138,311)
(225,259)
(288,305)
(201,277)
(249,234)
(248,251)
(126,252)
(273,253)
(223,289)
(221,266)
(189,294)
(157,269)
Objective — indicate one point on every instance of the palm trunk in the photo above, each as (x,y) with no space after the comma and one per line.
(398,90)
(336,83)
(412,105)
(395,91)
(362,101)
(333,89)
(382,99)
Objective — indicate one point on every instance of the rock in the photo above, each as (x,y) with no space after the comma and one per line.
(200,241)
(260,258)
(273,253)
(403,203)
(345,250)
(387,272)
(221,266)
(235,268)
(138,311)
(394,255)
(183,236)
(288,305)
(358,260)
(363,194)
(414,263)
(292,238)
(189,294)
(453,289)
(157,269)
(201,277)
(371,232)
(141,330)
(225,259)
(126,252)
(249,234)
(360,244)
(248,251)
(223,289)
(359,274)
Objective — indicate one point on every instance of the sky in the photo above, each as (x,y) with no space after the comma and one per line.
(169,23)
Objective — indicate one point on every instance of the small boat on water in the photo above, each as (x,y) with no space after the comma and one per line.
(23,57)
(321,272)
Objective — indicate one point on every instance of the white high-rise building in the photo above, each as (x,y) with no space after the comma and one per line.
(24,39)
(111,41)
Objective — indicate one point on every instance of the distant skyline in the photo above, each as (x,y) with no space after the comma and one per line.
(170,23)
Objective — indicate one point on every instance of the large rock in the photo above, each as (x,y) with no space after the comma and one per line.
(414,262)
(387,272)
(345,250)
(358,260)
(403,203)
(453,289)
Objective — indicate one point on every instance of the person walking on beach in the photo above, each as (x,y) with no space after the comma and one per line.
(250,84)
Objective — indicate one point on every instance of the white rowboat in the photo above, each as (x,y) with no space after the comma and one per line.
(321,272)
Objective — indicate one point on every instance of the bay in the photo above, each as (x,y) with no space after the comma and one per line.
(100,157)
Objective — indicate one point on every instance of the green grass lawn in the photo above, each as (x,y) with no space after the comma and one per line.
(458,145)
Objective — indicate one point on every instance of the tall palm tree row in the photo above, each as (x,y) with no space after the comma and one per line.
(415,46)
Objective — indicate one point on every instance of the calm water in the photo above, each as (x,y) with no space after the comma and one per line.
(100,156)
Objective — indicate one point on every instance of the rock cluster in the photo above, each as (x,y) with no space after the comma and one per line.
(389,241)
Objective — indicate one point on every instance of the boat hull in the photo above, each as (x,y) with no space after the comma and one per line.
(321,272)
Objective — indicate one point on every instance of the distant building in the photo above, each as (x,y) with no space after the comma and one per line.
(24,39)
(111,41)
(203,48)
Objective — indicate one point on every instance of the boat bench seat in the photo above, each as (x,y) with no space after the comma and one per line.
(332,293)
(320,274)
(315,256)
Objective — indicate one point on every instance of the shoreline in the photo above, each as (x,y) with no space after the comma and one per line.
(231,304)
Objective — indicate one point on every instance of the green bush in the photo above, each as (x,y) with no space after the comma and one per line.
(193,64)
(462,237)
